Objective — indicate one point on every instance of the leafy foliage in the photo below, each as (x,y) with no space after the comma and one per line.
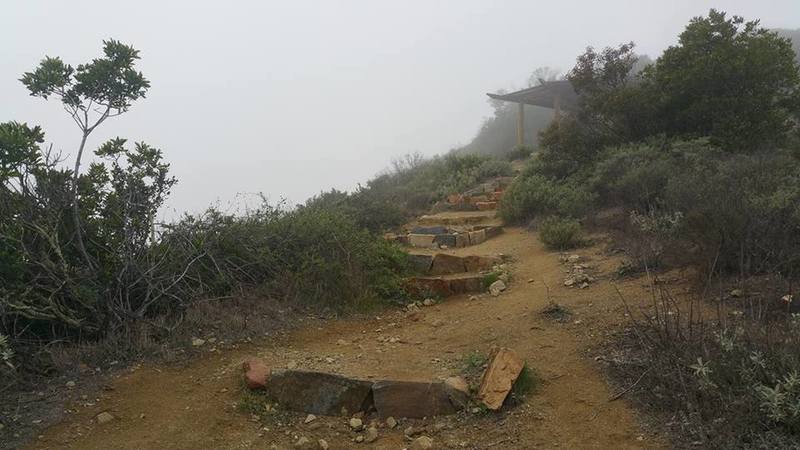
(560,234)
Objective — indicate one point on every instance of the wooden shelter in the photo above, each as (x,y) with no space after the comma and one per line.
(558,95)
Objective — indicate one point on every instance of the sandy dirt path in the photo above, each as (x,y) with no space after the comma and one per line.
(193,406)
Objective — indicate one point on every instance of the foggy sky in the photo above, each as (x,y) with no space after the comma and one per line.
(290,98)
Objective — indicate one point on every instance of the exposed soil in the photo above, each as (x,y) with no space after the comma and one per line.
(194,406)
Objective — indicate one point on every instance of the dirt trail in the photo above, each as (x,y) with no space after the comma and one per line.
(193,406)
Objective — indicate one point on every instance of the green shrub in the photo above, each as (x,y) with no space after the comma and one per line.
(560,233)
(519,152)
(533,195)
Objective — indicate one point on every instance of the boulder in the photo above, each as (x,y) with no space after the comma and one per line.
(448,240)
(457,389)
(419,286)
(256,373)
(421,240)
(412,399)
(492,232)
(474,263)
(502,371)
(466,283)
(445,264)
(420,263)
(462,240)
(477,237)
(430,230)
(319,393)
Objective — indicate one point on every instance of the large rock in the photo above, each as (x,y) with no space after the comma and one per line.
(474,263)
(420,263)
(462,240)
(466,283)
(445,264)
(421,240)
(492,232)
(445,239)
(424,286)
(430,230)
(412,399)
(486,206)
(319,393)
(256,373)
(477,237)
(498,379)
(457,389)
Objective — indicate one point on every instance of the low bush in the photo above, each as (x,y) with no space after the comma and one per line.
(533,195)
(737,373)
(559,233)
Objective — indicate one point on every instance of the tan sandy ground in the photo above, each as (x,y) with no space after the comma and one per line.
(192,407)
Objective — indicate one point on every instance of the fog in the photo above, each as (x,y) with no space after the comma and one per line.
(290,98)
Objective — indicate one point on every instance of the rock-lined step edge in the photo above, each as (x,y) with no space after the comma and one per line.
(445,264)
(330,394)
(443,237)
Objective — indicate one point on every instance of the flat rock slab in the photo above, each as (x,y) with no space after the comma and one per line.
(445,264)
(318,392)
(420,263)
(412,399)
(430,230)
(498,379)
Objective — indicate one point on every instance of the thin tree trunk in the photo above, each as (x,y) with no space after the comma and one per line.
(75,207)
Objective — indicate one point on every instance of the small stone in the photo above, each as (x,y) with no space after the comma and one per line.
(583,285)
(573,258)
(356,424)
(197,342)
(310,418)
(70,384)
(737,293)
(497,287)
(531,280)
(304,443)
(359,439)
(104,417)
(422,443)
(409,431)
(472,298)
(323,444)
(371,435)
(429,302)
(342,342)
(391,422)
(569,282)
(437,323)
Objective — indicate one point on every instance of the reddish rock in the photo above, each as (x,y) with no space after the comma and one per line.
(256,373)
(498,379)
(445,264)
(466,283)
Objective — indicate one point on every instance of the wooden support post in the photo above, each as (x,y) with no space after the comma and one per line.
(521,125)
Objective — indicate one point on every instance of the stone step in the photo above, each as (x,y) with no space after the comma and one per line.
(445,285)
(444,264)
(451,237)
(459,218)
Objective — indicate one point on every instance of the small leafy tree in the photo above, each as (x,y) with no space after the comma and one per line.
(728,79)
(90,93)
